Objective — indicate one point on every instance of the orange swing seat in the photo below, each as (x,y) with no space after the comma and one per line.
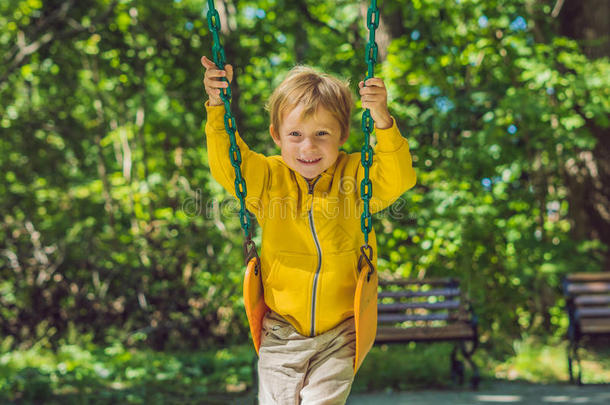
(365,309)
(365,314)
(254,300)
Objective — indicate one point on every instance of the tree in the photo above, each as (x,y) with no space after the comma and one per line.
(113,228)
(589,177)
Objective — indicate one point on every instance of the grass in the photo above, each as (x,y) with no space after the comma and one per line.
(116,374)
(403,367)
(540,362)
(406,367)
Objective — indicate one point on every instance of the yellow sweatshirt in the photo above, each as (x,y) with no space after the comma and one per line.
(311,234)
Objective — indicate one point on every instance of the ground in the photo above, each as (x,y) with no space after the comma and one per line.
(490,393)
(494,393)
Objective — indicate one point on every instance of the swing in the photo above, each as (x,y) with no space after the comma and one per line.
(365,297)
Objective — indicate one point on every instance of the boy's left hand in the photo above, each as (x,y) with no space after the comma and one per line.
(374,96)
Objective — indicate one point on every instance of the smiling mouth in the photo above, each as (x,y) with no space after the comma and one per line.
(309,161)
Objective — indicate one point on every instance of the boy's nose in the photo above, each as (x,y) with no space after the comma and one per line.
(309,144)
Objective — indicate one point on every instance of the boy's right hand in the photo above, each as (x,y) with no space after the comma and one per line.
(212,80)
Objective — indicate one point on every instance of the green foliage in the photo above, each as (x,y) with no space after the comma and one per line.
(116,374)
(105,205)
(494,117)
(91,374)
(405,367)
(114,231)
(545,361)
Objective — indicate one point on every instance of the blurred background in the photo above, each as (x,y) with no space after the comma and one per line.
(120,256)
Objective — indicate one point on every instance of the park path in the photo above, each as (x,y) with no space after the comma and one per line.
(496,393)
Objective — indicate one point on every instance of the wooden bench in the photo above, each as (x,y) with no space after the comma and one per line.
(588,305)
(429,310)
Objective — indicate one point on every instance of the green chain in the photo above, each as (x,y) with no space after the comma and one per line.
(366,187)
(231,128)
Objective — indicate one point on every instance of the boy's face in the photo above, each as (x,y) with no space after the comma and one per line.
(309,145)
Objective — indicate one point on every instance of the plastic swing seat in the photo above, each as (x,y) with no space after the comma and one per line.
(365,309)
(254,300)
(365,313)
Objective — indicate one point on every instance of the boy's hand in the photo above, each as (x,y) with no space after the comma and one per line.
(212,80)
(374,96)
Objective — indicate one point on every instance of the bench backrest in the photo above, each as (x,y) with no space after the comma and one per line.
(588,302)
(423,309)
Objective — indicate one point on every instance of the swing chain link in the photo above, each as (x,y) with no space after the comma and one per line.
(366,188)
(231,128)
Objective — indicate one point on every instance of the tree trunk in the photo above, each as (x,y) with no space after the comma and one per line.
(589,23)
(588,179)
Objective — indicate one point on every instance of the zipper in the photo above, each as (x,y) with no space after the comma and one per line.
(317,274)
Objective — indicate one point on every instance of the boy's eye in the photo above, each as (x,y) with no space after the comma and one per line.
(321,133)
(294,133)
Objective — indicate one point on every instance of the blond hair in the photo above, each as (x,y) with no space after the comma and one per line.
(305,85)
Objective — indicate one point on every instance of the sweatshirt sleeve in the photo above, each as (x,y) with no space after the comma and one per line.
(391,172)
(254,166)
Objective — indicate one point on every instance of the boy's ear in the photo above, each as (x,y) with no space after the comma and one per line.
(343,139)
(275,135)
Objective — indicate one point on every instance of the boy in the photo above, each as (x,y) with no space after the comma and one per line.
(307,202)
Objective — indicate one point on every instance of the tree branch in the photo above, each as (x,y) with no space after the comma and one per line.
(303,8)
(557,8)
(21,52)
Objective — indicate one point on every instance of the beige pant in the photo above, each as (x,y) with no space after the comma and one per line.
(294,369)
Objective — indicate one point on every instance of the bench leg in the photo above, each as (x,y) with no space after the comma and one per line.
(475,379)
(578,364)
(570,363)
(457,368)
(574,364)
